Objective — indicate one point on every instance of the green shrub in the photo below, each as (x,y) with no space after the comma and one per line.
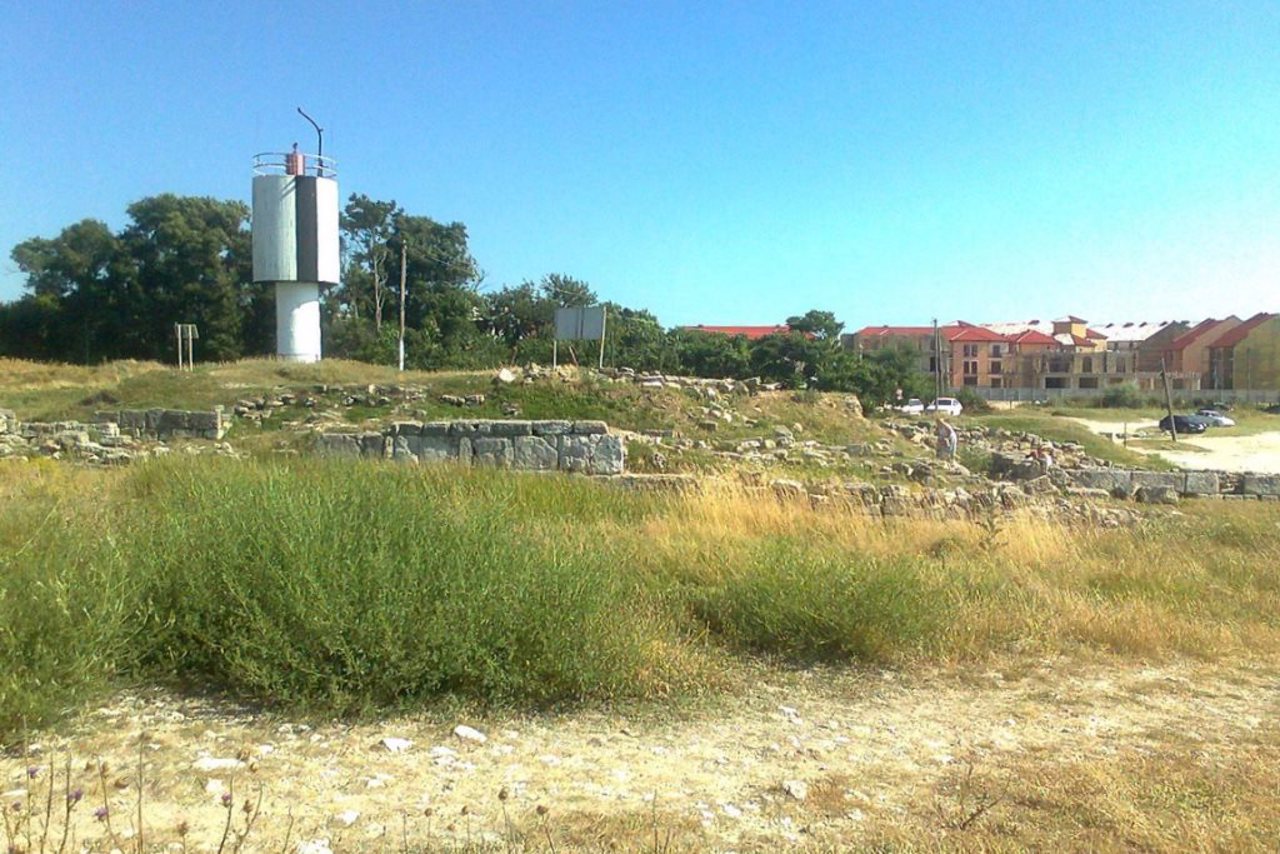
(811,605)
(972,401)
(351,587)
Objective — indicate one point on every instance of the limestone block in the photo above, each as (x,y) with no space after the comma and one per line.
(435,428)
(406,448)
(1156,494)
(371,445)
(511,428)
(338,444)
(1260,484)
(406,428)
(1112,480)
(436,449)
(590,428)
(552,428)
(534,453)
(492,451)
(465,452)
(575,453)
(470,428)
(608,455)
(1169,480)
(1200,483)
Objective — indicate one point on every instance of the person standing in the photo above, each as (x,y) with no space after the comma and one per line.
(946,440)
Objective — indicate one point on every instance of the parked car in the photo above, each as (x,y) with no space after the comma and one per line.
(1185,424)
(1215,418)
(945,405)
(914,406)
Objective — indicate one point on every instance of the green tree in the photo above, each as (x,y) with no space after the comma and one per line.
(191,259)
(368,227)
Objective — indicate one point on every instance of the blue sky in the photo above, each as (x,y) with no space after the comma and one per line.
(716,163)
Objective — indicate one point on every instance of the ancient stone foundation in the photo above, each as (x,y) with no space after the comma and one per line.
(572,446)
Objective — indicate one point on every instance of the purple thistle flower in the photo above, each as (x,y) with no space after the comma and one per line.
(226,800)
(33,771)
(74,796)
(101,813)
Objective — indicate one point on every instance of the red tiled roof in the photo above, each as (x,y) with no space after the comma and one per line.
(1237,334)
(1031,336)
(751,332)
(887,331)
(973,333)
(1189,337)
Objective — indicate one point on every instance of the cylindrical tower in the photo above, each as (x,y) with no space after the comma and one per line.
(295,243)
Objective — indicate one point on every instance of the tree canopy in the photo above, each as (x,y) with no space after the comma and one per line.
(93,295)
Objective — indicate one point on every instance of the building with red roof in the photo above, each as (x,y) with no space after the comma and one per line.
(751,333)
(1247,355)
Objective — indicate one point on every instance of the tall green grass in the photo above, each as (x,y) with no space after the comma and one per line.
(351,587)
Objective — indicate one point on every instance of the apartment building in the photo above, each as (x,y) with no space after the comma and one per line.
(1246,356)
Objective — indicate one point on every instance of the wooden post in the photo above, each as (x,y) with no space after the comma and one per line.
(1168,401)
(177,333)
(602,322)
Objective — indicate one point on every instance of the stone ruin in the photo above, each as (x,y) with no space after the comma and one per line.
(586,447)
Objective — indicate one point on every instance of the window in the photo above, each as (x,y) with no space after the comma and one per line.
(1059,365)
(1088,382)
(1055,382)
(970,369)
(970,380)
(971,351)
(1086,365)
(997,350)
(996,382)
(997,367)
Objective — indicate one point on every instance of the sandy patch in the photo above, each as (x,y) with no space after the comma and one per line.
(732,777)
(1259,452)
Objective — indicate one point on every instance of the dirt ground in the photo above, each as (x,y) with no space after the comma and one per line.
(1259,452)
(800,759)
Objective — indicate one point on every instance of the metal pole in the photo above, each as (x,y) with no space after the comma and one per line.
(319,140)
(404,252)
(191,361)
(177,332)
(603,314)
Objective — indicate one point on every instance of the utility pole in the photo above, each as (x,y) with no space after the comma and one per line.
(404,253)
(1168,401)
(937,362)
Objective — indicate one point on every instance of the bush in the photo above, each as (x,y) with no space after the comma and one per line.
(808,605)
(972,401)
(1126,396)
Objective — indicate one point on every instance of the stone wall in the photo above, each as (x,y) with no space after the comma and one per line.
(1121,482)
(572,446)
(168,423)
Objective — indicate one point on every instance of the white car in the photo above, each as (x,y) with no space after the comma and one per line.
(945,405)
(1216,418)
(914,406)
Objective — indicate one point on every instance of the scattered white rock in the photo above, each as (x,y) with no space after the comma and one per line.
(466,733)
(395,745)
(796,789)
(731,811)
(314,846)
(346,818)
(214,765)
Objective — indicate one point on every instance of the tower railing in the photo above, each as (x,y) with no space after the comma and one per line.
(294,163)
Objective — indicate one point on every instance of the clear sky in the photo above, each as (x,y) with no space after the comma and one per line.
(716,163)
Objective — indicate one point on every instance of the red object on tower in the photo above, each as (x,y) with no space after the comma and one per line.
(295,163)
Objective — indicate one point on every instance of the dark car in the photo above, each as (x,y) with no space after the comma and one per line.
(1185,424)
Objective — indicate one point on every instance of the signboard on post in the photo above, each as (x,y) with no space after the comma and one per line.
(583,323)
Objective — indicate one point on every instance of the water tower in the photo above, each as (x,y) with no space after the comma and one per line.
(295,243)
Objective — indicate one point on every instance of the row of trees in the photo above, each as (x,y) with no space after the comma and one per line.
(94,295)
